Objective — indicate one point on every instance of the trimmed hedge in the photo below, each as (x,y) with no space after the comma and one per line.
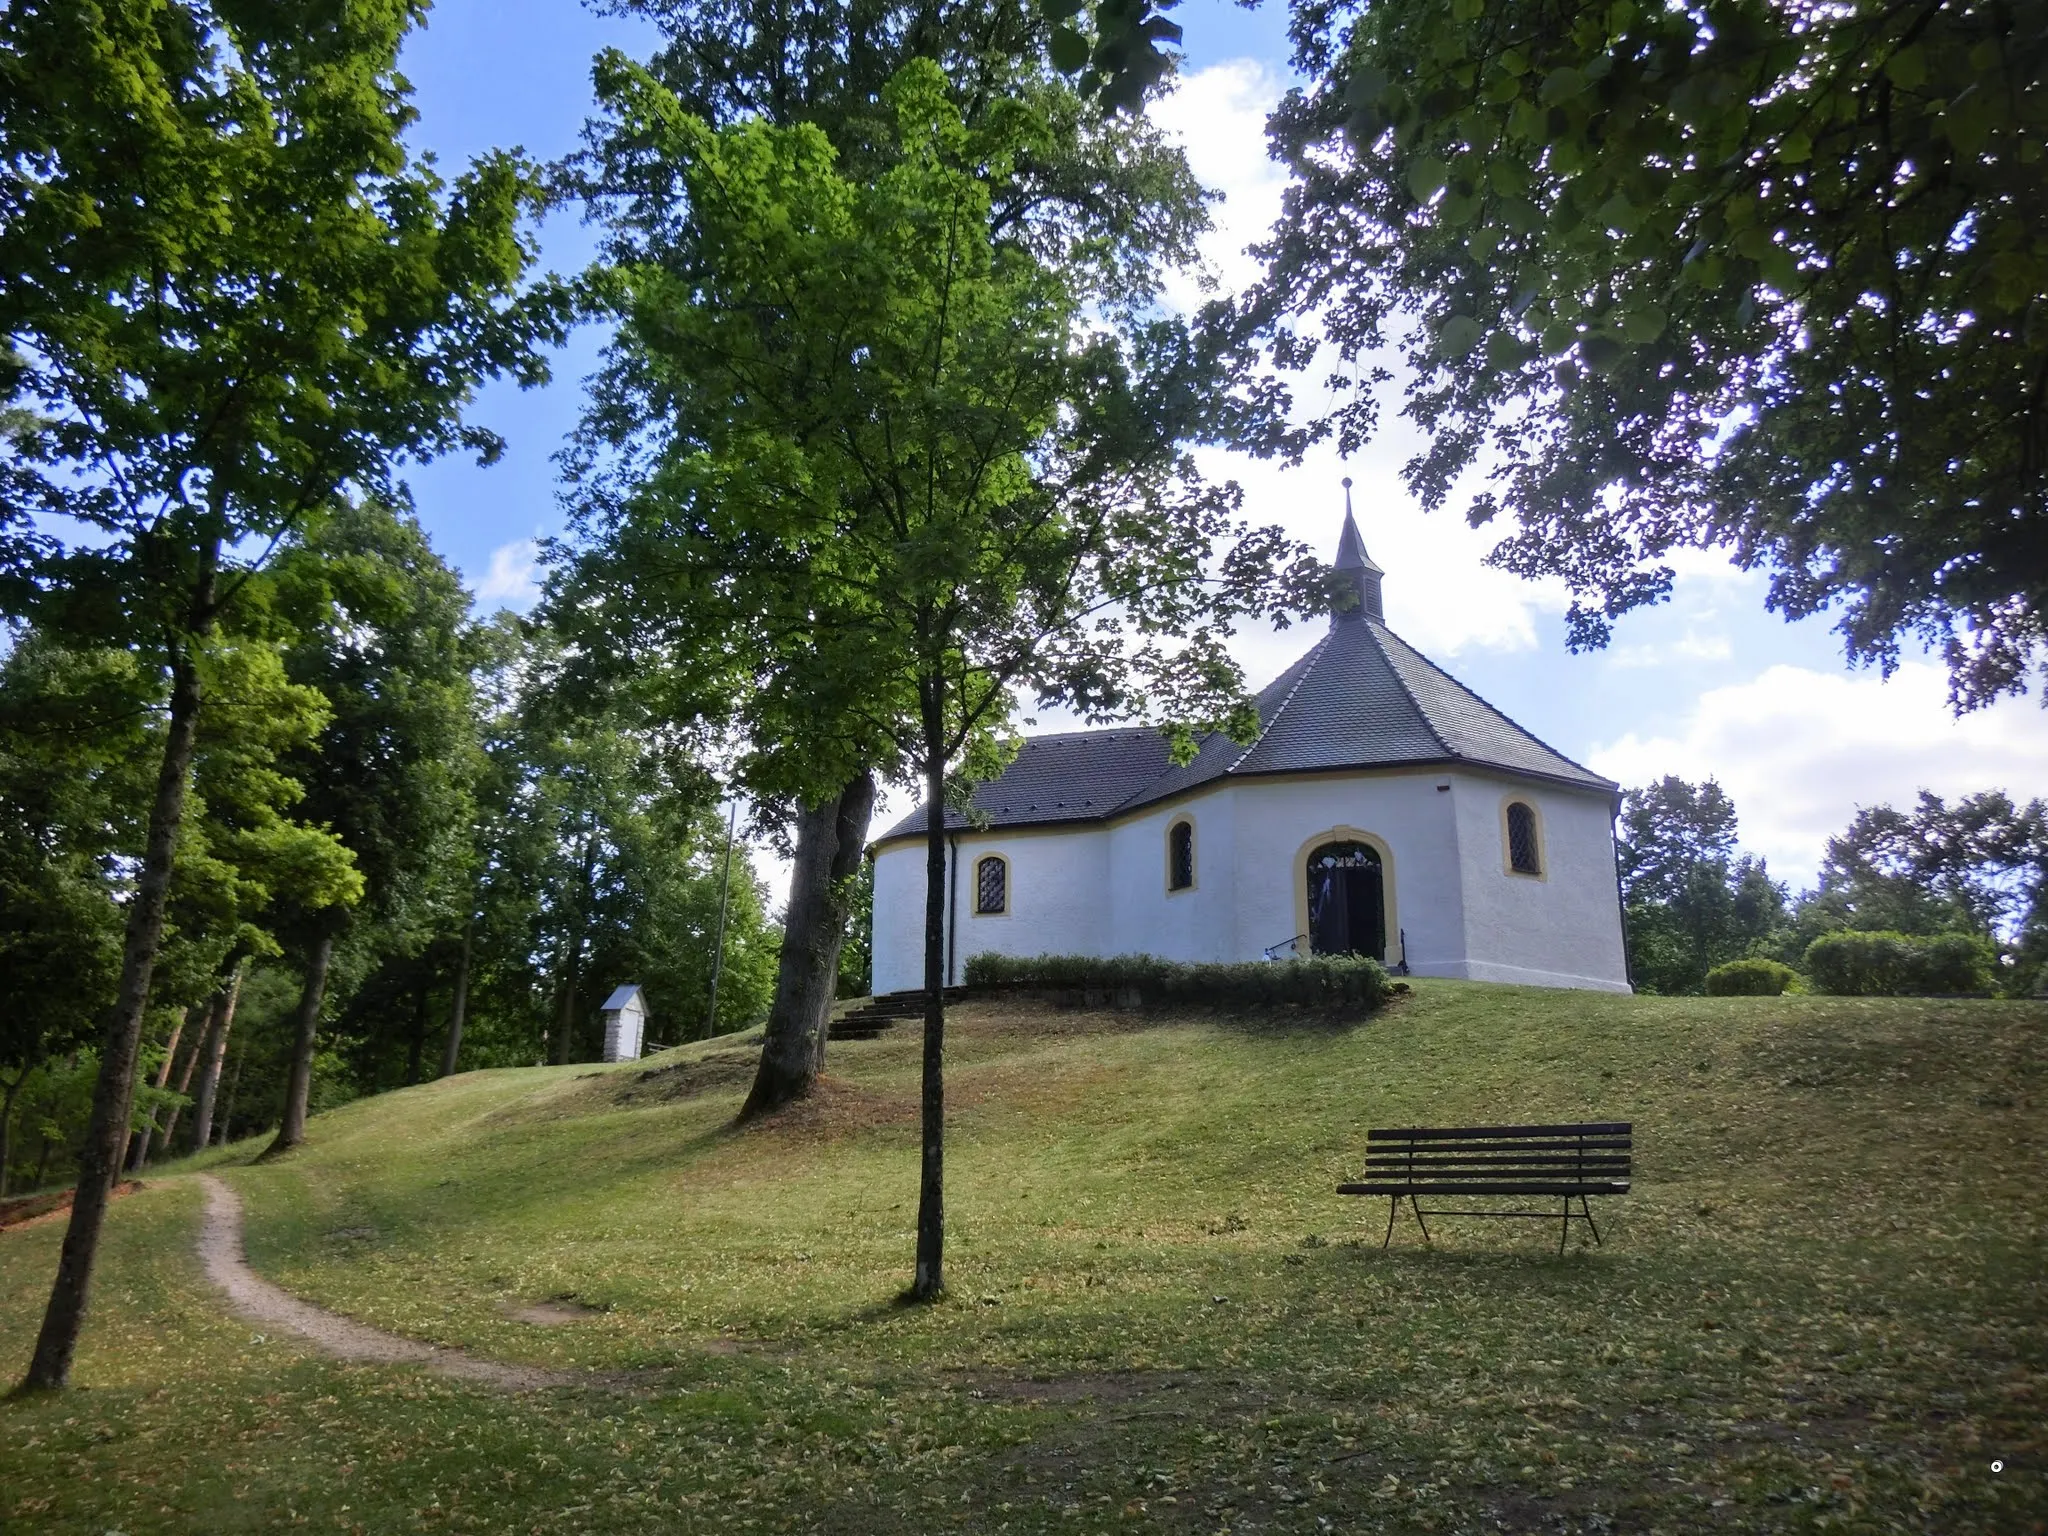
(1852,964)
(1750,978)
(1326,982)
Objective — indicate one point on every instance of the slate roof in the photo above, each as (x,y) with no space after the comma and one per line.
(1362,697)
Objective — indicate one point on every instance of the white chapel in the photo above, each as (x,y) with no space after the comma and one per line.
(1384,809)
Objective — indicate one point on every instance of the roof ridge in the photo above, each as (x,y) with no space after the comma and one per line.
(1481,698)
(1265,726)
(1401,682)
(1094,731)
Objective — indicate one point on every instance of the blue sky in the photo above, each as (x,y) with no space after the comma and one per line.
(1708,684)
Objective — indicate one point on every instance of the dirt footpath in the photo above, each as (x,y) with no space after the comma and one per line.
(256,1299)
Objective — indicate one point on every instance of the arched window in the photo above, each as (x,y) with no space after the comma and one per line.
(1180,856)
(991,885)
(1525,857)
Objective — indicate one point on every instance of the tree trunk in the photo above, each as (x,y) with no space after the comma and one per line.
(163,1075)
(7,1124)
(831,840)
(931,1193)
(227,1119)
(451,1052)
(291,1129)
(113,1095)
(718,939)
(191,1061)
(419,1034)
(572,959)
(565,1001)
(42,1162)
(210,1063)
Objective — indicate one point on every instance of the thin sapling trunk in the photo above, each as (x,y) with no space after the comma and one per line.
(140,1146)
(931,1194)
(191,1062)
(572,959)
(451,1050)
(216,1050)
(419,1035)
(7,1124)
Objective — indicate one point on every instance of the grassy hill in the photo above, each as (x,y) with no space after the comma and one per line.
(1823,1307)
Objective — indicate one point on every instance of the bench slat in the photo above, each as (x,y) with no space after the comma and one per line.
(1502,1131)
(1517,1143)
(1493,1176)
(1498,1156)
(1533,1187)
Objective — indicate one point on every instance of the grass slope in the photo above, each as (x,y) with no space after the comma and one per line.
(1821,1309)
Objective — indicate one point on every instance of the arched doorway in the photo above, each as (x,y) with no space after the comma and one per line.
(1347,900)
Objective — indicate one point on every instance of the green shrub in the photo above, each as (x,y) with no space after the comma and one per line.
(1852,964)
(1323,982)
(1750,978)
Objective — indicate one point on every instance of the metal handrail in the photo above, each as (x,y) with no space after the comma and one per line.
(1272,951)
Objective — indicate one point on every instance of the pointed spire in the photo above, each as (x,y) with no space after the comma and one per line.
(1352,558)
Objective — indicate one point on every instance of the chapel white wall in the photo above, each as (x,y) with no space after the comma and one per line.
(1059,902)
(1102,890)
(1559,929)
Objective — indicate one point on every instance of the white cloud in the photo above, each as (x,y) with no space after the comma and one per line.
(1689,647)
(1219,116)
(1800,750)
(510,580)
(1439,593)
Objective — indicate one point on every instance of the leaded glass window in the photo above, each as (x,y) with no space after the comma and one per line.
(1180,856)
(991,885)
(1523,855)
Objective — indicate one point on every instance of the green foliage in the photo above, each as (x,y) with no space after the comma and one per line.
(1851,964)
(378,637)
(599,857)
(857,954)
(69,794)
(1979,864)
(50,1111)
(1811,237)
(856,442)
(229,291)
(1330,982)
(1689,902)
(1751,978)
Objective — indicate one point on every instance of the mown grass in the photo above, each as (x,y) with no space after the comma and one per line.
(1821,1308)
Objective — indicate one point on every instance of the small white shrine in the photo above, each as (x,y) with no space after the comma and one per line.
(625,1024)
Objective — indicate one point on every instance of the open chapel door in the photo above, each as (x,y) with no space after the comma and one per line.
(1347,901)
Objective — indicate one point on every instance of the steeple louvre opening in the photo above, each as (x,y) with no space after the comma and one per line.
(1358,570)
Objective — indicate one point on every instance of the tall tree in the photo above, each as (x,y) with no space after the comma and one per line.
(1689,901)
(383,644)
(899,458)
(225,292)
(1716,273)
(1100,191)
(1978,865)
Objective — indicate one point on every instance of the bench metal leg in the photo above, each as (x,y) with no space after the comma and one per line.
(1564,1227)
(1416,1206)
(1393,1210)
(1589,1220)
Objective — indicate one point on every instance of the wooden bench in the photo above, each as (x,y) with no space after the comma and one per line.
(1568,1161)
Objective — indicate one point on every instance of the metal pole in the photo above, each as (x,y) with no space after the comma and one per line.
(718,949)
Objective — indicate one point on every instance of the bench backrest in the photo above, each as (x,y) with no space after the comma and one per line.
(1595,1155)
